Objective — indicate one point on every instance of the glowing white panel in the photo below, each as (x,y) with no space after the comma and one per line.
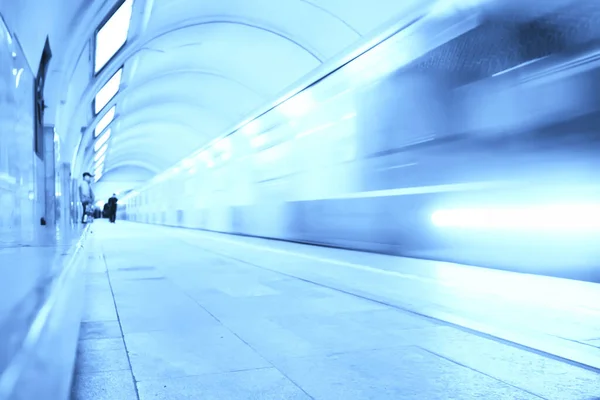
(100,161)
(108,91)
(206,157)
(105,121)
(297,106)
(113,35)
(582,217)
(102,140)
(187,163)
(315,130)
(258,141)
(18,78)
(101,152)
(251,128)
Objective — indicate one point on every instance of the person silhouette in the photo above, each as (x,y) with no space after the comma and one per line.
(112,207)
(86,195)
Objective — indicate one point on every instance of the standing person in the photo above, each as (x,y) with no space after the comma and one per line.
(86,195)
(112,204)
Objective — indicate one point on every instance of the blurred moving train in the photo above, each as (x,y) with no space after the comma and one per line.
(466,135)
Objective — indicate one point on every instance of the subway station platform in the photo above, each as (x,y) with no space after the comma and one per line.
(180,314)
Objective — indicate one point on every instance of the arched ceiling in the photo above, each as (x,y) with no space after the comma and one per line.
(191,69)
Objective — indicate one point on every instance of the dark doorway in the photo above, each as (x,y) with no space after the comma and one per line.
(40,106)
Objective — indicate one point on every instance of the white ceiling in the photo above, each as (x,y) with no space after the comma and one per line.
(192,68)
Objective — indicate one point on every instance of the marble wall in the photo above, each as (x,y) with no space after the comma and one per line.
(18,163)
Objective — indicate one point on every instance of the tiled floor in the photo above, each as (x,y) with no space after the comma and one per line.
(168,317)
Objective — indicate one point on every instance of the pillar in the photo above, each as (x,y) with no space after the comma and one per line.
(49,176)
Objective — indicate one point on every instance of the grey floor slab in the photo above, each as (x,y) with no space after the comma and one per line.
(312,335)
(135,273)
(295,302)
(179,353)
(100,330)
(400,373)
(203,326)
(113,385)
(155,305)
(258,384)
(99,305)
(546,377)
(101,355)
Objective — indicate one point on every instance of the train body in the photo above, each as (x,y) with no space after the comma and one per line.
(464,136)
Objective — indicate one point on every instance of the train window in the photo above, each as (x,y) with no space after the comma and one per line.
(108,91)
(112,35)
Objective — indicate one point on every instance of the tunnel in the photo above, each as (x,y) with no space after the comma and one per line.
(299,199)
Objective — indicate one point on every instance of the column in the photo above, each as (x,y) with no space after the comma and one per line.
(49,176)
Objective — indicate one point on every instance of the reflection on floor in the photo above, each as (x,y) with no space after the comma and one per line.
(172,314)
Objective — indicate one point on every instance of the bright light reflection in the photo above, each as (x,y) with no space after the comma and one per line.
(315,130)
(187,163)
(251,128)
(258,141)
(223,144)
(206,158)
(101,152)
(297,105)
(108,91)
(113,35)
(530,290)
(443,8)
(105,121)
(563,217)
(102,140)
(18,78)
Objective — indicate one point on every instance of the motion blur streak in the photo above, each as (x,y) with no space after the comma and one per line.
(470,135)
(573,217)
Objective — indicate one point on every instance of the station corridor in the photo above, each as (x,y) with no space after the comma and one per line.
(314,199)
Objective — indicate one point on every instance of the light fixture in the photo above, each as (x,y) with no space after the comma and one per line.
(108,91)
(101,152)
(113,35)
(102,140)
(105,121)
(101,160)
